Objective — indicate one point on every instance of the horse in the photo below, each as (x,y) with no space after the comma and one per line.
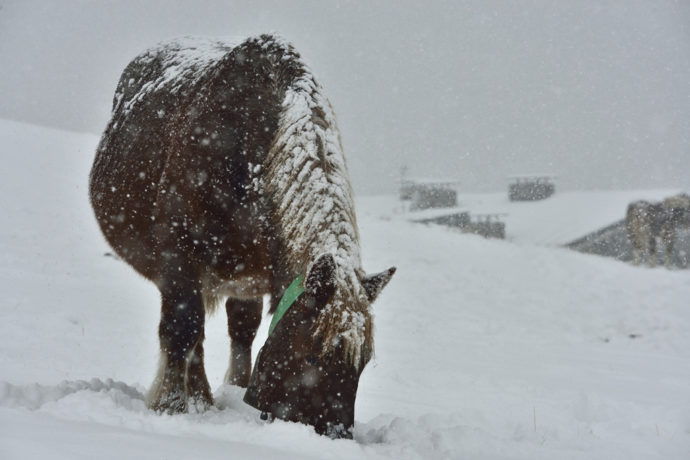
(221,178)
(645,222)
(676,215)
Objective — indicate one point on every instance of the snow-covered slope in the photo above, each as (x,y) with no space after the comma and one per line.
(484,349)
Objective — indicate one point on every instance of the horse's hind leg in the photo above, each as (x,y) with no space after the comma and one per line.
(244,317)
(651,251)
(637,252)
(181,329)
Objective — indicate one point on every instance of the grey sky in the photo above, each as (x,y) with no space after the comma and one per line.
(595,92)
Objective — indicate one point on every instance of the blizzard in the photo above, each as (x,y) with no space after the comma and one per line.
(485,349)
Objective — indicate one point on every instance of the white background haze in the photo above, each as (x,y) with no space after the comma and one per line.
(597,93)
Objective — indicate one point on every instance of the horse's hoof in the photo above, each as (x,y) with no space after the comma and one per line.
(198,405)
(173,403)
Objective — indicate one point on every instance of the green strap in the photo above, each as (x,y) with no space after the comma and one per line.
(291,294)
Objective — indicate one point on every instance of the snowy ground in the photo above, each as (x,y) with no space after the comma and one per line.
(484,349)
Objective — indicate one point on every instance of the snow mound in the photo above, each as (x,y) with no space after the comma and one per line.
(35,396)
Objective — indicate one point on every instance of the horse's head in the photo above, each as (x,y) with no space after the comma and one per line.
(678,208)
(297,376)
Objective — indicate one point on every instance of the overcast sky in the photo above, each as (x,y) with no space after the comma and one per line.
(597,93)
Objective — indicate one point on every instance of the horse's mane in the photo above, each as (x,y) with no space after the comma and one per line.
(306,178)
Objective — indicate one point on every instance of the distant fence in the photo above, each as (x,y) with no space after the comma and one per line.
(486,225)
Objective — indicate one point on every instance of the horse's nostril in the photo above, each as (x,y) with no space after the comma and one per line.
(267,417)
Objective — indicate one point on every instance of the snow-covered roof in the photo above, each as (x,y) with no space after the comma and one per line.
(532,178)
(430,181)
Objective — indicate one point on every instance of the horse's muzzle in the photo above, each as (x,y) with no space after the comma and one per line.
(251,397)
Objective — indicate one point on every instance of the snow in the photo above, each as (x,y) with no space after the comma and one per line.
(485,349)
(183,59)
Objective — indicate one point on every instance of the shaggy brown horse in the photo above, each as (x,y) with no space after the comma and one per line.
(221,177)
(647,221)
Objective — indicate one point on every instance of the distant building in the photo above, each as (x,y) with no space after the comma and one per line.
(425,194)
(407,188)
(488,225)
(530,188)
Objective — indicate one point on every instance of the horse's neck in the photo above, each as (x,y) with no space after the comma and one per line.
(307,180)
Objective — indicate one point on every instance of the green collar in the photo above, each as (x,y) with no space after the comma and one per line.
(291,294)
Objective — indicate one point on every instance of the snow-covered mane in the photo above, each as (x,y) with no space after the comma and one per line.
(306,178)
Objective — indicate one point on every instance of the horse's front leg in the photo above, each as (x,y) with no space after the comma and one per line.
(181,330)
(244,318)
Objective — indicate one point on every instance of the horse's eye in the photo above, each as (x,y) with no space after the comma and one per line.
(313,360)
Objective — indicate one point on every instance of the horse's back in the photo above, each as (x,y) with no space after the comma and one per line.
(191,121)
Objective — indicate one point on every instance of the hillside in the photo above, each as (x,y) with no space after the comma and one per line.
(484,349)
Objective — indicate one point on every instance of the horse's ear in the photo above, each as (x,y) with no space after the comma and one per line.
(374,284)
(320,279)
